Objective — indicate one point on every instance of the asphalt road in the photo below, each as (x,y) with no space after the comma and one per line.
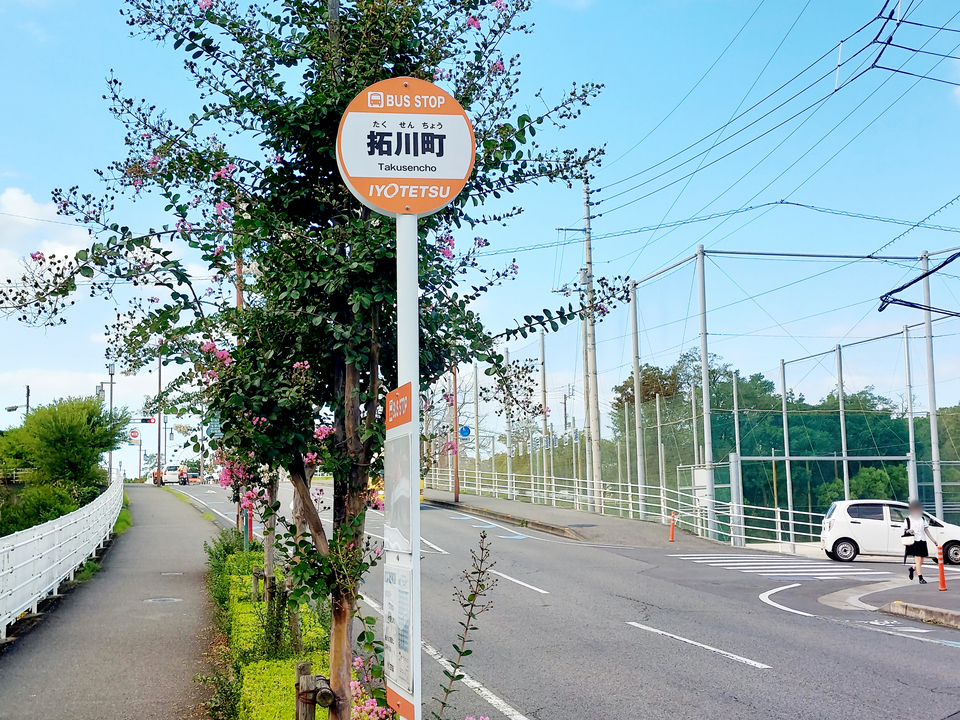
(644,630)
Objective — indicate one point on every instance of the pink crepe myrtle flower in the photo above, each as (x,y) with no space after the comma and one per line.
(137,184)
(184,226)
(302,365)
(221,207)
(602,309)
(205,4)
(36,256)
(310,458)
(153,162)
(211,376)
(153,299)
(450,447)
(480,242)
(218,251)
(316,494)
(513,269)
(322,432)
(448,398)
(225,172)
(472,22)
(500,5)
(208,346)
(145,135)
(210,291)
(195,201)
(224,356)
(447,253)
(497,68)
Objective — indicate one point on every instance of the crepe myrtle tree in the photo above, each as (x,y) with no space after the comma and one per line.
(293,342)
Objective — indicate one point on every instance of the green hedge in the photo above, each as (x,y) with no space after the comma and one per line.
(267,687)
(243,563)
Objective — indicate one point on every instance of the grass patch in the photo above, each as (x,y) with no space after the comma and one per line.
(178,495)
(126,500)
(123,523)
(209,516)
(86,572)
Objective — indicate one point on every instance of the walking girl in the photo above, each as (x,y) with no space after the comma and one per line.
(915,527)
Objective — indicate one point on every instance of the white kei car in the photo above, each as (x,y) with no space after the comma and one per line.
(874,527)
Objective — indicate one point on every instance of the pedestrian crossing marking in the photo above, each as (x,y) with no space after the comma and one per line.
(775,566)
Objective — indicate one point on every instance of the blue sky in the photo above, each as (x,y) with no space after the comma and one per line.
(884,144)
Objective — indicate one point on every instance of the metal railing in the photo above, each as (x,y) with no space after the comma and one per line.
(736,523)
(34,562)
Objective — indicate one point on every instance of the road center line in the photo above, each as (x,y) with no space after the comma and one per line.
(495,701)
(765,597)
(520,582)
(718,651)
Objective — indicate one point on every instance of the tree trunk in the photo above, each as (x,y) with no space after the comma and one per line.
(341,651)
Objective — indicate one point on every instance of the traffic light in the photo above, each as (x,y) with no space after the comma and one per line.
(147,420)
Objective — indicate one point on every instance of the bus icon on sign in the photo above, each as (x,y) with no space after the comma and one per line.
(375,99)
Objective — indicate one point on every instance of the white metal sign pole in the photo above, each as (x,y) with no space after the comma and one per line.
(405,149)
(408,371)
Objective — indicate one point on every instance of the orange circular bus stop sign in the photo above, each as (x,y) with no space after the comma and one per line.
(405,147)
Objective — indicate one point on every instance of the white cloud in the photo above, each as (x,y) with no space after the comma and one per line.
(27,226)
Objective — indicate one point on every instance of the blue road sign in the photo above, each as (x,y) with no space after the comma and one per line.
(464,431)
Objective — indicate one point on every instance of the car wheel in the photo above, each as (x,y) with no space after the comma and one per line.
(830,554)
(951,553)
(845,550)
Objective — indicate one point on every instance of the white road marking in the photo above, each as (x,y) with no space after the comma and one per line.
(520,582)
(911,630)
(688,641)
(435,547)
(495,701)
(765,597)
(774,566)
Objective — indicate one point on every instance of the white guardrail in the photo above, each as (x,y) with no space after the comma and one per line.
(733,522)
(34,562)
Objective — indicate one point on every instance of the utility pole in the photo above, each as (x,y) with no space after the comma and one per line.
(786,451)
(587,446)
(597,479)
(638,396)
(912,463)
(159,480)
(111,368)
(705,389)
(456,438)
(932,394)
(661,464)
(543,403)
(476,423)
(27,411)
(626,442)
(843,426)
(506,399)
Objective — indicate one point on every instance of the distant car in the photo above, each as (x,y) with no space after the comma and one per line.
(874,527)
(174,474)
(193,478)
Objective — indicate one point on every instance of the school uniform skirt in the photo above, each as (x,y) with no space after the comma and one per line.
(918,549)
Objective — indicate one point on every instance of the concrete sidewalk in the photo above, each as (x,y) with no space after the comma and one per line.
(923,602)
(578,524)
(128,643)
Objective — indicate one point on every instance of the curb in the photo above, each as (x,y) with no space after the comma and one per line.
(924,613)
(561,530)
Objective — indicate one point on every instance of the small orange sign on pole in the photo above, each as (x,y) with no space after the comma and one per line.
(399,406)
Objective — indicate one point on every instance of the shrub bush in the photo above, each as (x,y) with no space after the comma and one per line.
(267,687)
(33,505)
